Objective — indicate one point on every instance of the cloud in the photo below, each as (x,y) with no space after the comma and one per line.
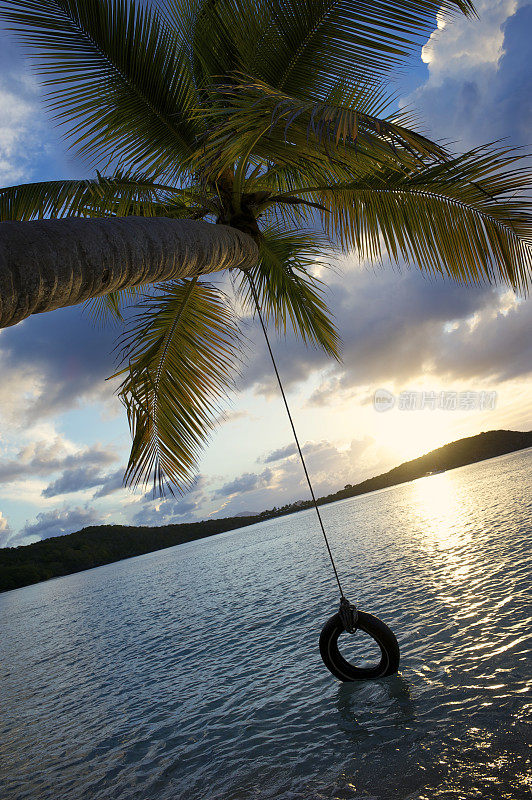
(479,82)
(111,483)
(232,415)
(171,510)
(57,360)
(331,467)
(27,140)
(398,326)
(245,483)
(294,360)
(467,43)
(282,452)
(167,512)
(15,137)
(495,345)
(20,119)
(5,531)
(74,480)
(44,457)
(87,477)
(58,522)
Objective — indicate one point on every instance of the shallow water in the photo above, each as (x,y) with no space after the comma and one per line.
(194,672)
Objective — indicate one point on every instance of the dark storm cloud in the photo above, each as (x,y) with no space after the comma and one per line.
(497,347)
(414,325)
(42,458)
(391,323)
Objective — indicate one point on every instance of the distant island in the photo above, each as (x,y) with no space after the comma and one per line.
(103,544)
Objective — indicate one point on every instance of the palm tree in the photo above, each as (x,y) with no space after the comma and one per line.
(270,118)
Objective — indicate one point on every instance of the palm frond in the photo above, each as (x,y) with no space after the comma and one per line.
(116,195)
(307,45)
(288,293)
(181,350)
(466,217)
(108,308)
(118,79)
(220,37)
(351,130)
(303,47)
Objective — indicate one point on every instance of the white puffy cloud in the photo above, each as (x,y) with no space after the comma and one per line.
(467,43)
(170,510)
(479,82)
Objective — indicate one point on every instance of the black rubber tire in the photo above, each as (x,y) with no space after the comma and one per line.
(342,669)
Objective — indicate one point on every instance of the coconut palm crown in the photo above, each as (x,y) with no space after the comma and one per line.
(273,117)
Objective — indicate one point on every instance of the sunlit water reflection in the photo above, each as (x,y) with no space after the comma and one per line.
(194,672)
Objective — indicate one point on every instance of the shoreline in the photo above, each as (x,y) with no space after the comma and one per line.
(96,546)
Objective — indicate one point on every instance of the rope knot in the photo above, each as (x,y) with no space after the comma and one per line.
(348,615)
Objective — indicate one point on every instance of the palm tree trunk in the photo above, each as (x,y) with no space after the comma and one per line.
(53,263)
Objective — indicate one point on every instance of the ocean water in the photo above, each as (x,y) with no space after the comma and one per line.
(194,672)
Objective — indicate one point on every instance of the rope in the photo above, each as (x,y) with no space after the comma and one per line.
(257,306)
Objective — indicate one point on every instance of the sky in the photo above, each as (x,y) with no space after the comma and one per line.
(442,360)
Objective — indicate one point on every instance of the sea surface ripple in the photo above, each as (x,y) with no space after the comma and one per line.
(194,672)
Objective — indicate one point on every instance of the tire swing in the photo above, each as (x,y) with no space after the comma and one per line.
(348,618)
